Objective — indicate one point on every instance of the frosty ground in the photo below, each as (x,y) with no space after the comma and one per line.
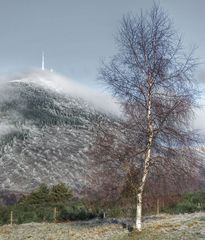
(162,227)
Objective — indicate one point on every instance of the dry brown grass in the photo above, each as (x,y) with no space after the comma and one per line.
(187,226)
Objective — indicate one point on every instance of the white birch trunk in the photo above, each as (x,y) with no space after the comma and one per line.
(139,212)
(140,190)
(146,161)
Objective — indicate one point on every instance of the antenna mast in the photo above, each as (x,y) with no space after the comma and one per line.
(43,62)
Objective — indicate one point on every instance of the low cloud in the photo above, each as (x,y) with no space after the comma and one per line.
(199,121)
(56,82)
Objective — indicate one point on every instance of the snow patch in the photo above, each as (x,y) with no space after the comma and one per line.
(6,129)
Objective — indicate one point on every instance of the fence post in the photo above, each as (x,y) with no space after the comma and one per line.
(157,206)
(11,218)
(163,203)
(54,214)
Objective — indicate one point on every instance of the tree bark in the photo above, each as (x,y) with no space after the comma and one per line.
(147,158)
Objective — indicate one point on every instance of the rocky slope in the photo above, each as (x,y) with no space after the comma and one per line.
(45,131)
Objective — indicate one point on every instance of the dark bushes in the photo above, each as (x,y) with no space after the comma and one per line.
(47,204)
(191,202)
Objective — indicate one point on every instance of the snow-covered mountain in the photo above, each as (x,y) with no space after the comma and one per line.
(46,124)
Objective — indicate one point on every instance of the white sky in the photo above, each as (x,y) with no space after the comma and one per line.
(76,34)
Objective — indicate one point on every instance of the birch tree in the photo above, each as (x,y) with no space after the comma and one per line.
(153,79)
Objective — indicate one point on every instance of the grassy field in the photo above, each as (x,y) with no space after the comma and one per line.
(176,227)
(162,227)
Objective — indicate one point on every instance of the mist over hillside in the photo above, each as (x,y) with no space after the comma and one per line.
(46,124)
